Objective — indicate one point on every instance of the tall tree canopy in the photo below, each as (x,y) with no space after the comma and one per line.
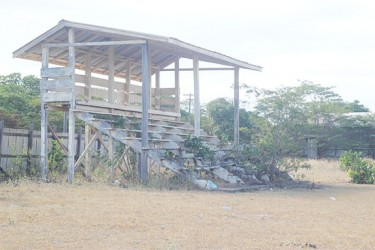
(19,100)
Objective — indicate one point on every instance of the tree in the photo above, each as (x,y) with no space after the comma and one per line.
(19,100)
(356,106)
(221,121)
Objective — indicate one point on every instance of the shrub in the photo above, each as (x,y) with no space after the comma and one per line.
(360,171)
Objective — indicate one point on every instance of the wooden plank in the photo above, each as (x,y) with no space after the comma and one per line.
(57,97)
(44,123)
(111,77)
(53,85)
(29,148)
(157,90)
(87,77)
(197,107)
(167,91)
(177,86)
(85,154)
(86,44)
(1,142)
(71,130)
(236,107)
(56,72)
(167,101)
(200,69)
(127,83)
(145,108)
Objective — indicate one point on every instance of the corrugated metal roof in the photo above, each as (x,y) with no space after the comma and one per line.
(164,50)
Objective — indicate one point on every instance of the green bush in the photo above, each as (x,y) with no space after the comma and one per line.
(360,171)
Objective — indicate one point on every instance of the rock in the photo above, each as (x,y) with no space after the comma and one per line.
(205,184)
(265,179)
(251,179)
(237,171)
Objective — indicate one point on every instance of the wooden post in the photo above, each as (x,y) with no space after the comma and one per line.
(71,132)
(149,77)
(111,76)
(111,159)
(1,140)
(44,123)
(87,157)
(78,147)
(236,107)
(127,84)
(197,106)
(157,90)
(29,147)
(145,106)
(65,122)
(88,76)
(177,85)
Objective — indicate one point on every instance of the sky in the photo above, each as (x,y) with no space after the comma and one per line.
(331,43)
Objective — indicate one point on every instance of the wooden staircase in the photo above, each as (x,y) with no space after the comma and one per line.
(164,136)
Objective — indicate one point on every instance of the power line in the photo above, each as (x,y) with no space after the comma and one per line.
(22,19)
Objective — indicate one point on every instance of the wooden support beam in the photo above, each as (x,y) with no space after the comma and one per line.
(54,135)
(106,43)
(78,145)
(44,123)
(145,106)
(197,106)
(87,156)
(200,69)
(177,85)
(236,107)
(100,139)
(111,76)
(111,159)
(86,150)
(88,76)
(30,138)
(157,90)
(1,141)
(71,130)
(127,83)
(149,77)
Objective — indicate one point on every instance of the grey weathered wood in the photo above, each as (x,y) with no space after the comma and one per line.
(85,153)
(44,123)
(71,130)
(145,106)
(88,76)
(86,44)
(236,107)
(29,147)
(127,83)
(1,140)
(53,85)
(197,106)
(157,90)
(57,97)
(56,72)
(200,69)
(111,76)
(111,159)
(78,146)
(87,156)
(177,85)
(57,138)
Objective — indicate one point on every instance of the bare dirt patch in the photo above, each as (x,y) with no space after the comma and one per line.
(95,216)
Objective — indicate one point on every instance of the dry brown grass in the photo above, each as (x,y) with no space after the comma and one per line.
(93,216)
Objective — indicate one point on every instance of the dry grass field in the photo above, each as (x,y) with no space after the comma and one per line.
(335,215)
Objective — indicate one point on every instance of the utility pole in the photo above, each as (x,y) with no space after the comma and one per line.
(190,100)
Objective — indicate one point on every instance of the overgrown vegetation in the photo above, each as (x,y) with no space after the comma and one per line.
(361,171)
(272,135)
